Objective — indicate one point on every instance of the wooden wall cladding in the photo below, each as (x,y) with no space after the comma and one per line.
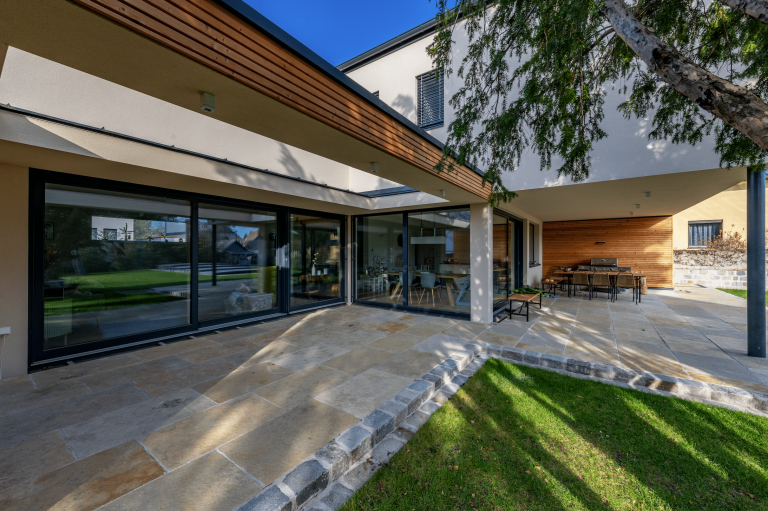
(643,243)
(212,35)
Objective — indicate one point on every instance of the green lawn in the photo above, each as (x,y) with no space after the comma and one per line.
(742,293)
(517,438)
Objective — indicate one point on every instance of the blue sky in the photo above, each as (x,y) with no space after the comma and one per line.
(341,29)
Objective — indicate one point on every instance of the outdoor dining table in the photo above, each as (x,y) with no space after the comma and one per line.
(612,275)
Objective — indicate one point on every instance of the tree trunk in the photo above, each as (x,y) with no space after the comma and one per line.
(758,9)
(734,104)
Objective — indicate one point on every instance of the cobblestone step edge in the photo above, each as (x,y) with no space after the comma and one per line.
(325,480)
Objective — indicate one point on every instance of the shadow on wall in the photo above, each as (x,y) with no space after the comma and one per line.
(291,164)
(406,105)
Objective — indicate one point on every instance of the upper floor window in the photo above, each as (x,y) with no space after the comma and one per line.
(702,232)
(429,110)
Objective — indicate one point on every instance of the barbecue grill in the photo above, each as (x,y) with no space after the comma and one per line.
(604,264)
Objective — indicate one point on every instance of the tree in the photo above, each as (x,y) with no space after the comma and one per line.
(535,74)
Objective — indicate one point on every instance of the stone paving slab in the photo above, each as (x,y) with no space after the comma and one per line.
(87,483)
(190,438)
(209,483)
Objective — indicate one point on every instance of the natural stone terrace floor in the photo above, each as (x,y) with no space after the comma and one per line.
(206,423)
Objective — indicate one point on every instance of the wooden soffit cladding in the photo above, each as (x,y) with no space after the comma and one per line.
(643,243)
(217,38)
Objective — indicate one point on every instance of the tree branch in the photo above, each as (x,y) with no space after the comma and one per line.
(758,9)
(735,105)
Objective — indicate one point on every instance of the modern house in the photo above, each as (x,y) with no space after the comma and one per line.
(203,114)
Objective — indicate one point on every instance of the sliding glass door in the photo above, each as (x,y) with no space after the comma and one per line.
(115,264)
(237,270)
(379,259)
(315,260)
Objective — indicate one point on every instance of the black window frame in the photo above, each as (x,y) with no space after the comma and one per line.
(38,178)
(438,95)
(517,270)
(696,222)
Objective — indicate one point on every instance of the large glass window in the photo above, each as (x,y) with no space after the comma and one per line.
(315,259)
(502,249)
(114,264)
(379,259)
(438,259)
(237,268)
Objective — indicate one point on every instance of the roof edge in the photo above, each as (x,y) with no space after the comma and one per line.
(390,46)
(267,27)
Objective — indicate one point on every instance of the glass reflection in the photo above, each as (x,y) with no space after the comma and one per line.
(115,264)
(502,249)
(237,261)
(315,259)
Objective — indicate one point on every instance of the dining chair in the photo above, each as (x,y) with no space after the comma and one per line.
(602,282)
(581,278)
(411,276)
(430,282)
(626,281)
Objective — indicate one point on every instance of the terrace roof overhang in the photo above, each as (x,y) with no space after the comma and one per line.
(263,79)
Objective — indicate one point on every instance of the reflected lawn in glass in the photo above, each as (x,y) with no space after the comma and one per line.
(515,437)
(141,279)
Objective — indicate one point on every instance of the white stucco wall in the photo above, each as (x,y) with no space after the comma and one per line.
(625,153)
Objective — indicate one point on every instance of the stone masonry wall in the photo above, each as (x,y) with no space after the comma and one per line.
(734,278)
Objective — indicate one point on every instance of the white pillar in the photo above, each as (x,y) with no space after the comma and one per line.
(481,262)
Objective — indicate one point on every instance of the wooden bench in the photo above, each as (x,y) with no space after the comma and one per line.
(522,299)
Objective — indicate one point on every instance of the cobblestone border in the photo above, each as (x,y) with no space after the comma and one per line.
(325,480)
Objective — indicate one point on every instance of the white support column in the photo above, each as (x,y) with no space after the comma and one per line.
(481,262)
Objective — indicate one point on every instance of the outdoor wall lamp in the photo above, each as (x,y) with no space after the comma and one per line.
(207,102)
(374,167)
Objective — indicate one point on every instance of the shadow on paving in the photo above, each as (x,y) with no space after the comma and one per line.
(515,437)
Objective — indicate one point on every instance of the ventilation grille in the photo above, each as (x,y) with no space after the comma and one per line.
(430,98)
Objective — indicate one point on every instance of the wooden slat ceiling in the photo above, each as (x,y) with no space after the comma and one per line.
(212,35)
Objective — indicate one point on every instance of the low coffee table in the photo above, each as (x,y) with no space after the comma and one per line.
(526,299)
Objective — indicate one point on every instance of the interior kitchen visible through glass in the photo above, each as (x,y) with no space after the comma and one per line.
(115,264)
(237,261)
(380,259)
(438,259)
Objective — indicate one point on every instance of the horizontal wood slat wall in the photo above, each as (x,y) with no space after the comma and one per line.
(212,35)
(643,243)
